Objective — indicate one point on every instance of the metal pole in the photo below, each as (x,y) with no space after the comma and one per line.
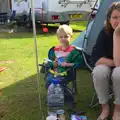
(37,66)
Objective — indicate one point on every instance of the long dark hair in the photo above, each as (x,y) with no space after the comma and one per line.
(114,6)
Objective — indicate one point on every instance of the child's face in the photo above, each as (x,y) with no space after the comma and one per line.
(64,38)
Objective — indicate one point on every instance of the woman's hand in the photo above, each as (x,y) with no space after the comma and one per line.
(116,46)
(105,61)
(117,30)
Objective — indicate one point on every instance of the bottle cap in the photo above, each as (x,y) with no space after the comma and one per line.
(60,112)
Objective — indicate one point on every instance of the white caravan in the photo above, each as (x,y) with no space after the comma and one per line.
(56,11)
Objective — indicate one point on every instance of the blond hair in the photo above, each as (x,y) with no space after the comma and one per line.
(65,28)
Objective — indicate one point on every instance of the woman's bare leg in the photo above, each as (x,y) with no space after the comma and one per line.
(105,111)
(116,114)
(116,89)
(101,77)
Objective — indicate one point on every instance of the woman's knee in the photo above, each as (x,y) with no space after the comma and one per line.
(116,75)
(101,72)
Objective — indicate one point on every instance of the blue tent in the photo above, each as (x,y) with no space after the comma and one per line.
(88,37)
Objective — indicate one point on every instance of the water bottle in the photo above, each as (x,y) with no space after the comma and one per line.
(60,114)
(51,117)
(55,97)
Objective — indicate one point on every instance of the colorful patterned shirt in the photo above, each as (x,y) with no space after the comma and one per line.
(71,55)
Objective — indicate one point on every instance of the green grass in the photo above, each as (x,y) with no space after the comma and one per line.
(19,99)
(75,25)
(79,25)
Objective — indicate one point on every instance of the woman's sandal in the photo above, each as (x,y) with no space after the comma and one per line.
(116,119)
(99,118)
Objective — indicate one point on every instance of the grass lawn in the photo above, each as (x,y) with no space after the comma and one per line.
(18,85)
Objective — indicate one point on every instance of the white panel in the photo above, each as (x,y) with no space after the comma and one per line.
(38,3)
(20,6)
(55,6)
(4,7)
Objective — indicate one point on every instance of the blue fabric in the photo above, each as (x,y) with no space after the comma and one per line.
(80,41)
(62,79)
(50,77)
(61,60)
(13,13)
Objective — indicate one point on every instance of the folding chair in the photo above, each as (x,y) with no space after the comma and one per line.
(94,102)
(70,78)
(89,65)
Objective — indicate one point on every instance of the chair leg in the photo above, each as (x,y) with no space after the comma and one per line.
(94,101)
(74,87)
(70,98)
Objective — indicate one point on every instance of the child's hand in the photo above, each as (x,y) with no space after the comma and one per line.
(55,63)
(64,64)
(56,60)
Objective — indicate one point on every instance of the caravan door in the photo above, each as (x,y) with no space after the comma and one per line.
(38,10)
(21,7)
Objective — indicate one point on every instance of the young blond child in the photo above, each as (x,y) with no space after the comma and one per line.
(64,56)
(64,35)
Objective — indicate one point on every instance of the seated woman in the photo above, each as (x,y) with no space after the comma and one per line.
(106,55)
(64,55)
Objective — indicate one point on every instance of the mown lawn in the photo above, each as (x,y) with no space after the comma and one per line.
(18,85)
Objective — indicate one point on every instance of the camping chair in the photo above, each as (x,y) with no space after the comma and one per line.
(89,65)
(70,77)
(87,39)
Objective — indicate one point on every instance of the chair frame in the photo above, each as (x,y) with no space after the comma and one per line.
(94,101)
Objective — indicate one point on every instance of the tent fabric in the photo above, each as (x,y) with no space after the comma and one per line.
(95,28)
(80,41)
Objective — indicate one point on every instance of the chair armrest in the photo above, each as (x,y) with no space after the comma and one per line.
(42,65)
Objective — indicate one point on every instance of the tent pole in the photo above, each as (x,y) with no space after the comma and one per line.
(37,66)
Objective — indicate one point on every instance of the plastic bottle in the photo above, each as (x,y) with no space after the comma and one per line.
(51,117)
(55,97)
(60,114)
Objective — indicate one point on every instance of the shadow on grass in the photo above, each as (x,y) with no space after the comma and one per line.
(20,100)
